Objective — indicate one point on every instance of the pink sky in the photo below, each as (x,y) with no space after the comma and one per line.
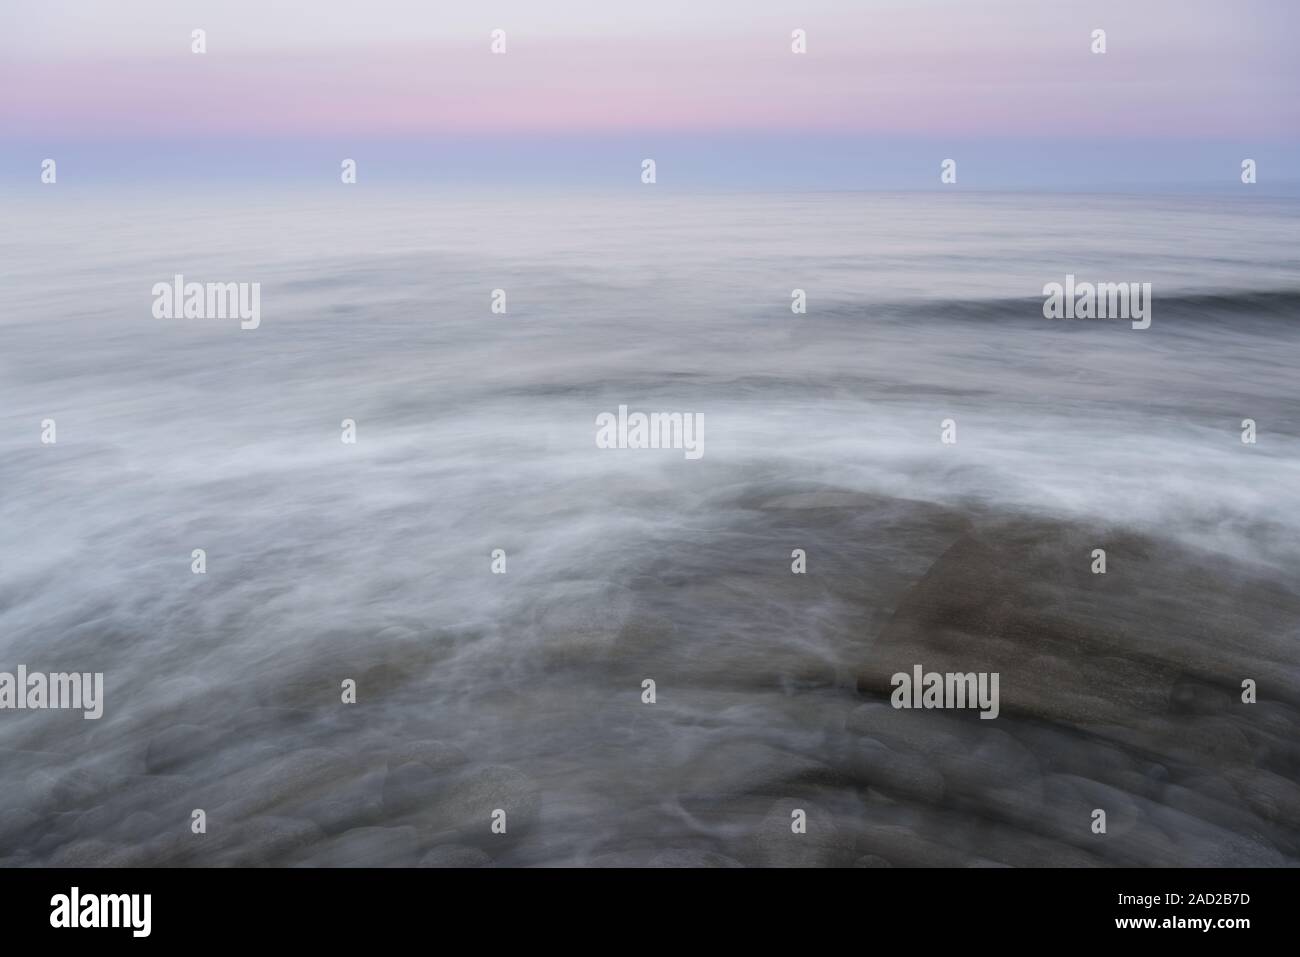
(1012,67)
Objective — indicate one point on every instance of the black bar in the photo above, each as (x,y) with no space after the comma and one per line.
(329,907)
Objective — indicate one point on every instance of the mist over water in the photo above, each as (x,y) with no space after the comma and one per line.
(476,431)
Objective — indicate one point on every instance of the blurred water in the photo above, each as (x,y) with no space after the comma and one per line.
(476,432)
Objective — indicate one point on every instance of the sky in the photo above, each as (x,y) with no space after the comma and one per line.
(886,90)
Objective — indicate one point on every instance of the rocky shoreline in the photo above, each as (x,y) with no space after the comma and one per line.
(1118,691)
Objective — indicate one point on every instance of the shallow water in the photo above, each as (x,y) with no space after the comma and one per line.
(522,691)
